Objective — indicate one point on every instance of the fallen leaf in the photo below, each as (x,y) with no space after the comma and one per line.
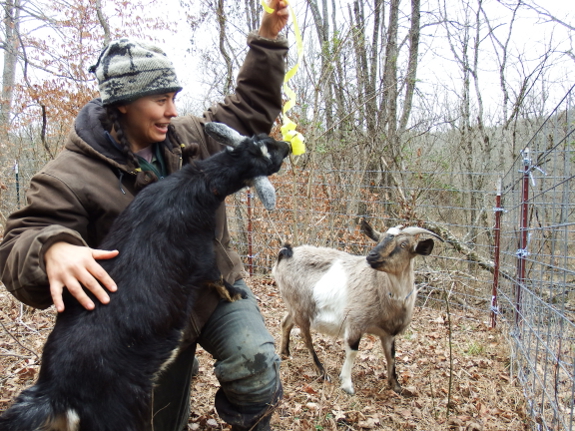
(212,423)
(309,390)
(504,377)
(338,415)
(405,413)
(370,423)
(312,406)
(409,391)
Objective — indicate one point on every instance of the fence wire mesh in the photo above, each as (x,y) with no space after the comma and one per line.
(536,294)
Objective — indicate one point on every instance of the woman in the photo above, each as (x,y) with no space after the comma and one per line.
(121,142)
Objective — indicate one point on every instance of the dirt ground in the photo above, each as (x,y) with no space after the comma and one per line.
(483,394)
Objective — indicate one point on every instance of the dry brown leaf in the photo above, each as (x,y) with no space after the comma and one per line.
(338,415)
(309,390)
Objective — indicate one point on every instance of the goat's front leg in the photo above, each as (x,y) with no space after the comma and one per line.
(388,344)
(227,291)
(287,326)
(306,335)
(351,349)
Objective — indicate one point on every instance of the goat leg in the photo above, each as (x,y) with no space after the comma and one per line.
(351,349)
(287,326)
(388,344)
(306,334)
(227,291)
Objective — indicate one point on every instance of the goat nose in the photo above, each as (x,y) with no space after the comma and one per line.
(372,258)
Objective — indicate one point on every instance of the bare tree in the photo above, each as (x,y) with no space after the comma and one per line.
(10,45)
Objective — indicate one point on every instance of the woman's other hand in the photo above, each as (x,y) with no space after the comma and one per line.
(273,23)
(75,268)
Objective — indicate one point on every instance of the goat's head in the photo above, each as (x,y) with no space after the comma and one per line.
(263,156)
(397,247)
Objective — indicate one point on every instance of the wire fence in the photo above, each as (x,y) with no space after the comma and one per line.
(511,231)
(537,256)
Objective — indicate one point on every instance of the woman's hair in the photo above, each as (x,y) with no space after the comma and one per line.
(111,118)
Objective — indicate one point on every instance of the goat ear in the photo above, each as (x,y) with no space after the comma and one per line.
(368,231)
(265,191)
(424,247)
(224,134)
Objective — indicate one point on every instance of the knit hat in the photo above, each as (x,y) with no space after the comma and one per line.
(128,70)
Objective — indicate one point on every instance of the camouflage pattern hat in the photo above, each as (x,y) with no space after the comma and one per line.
(128,70)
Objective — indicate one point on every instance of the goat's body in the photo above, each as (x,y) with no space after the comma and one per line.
(347,284)
(346,296)
(99,367)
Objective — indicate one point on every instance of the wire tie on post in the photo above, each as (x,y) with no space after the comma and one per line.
(522,253)
(531,173)
(529,167)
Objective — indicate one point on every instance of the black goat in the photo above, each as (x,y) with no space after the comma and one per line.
(99,367)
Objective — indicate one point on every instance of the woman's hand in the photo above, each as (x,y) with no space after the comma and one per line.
(273,23)
(71,267)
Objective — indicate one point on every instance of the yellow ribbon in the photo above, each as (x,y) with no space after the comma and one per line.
(289,133)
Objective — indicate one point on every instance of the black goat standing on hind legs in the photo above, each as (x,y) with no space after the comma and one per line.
(99,367)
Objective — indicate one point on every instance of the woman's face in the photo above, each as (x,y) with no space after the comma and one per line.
(145,120)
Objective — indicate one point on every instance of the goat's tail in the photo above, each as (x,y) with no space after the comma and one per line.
(285,252)
(33,410)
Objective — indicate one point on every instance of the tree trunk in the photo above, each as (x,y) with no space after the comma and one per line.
(390,92)
(11,47)
(411,75)
(229,78)
(103,22)
(322,28)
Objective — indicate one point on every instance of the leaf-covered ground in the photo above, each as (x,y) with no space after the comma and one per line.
(483,394)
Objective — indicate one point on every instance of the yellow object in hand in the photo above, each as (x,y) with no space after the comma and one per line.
(289,133)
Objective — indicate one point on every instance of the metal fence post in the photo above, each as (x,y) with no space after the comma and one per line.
(250,245)
(17,184)
(496,251)
(523,234)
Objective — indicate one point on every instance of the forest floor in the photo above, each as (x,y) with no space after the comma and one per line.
(483,394)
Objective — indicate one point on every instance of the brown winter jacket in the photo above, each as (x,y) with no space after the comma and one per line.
(76,197)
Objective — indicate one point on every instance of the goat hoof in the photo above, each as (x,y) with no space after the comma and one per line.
(235,294)
(348,389)
(326,378)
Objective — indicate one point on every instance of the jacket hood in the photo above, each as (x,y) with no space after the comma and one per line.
(92,135)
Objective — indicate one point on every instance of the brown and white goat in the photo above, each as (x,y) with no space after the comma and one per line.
(346,296)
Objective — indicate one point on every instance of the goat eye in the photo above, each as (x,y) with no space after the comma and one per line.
(404,244)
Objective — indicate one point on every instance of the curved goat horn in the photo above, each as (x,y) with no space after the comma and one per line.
(223,134)
(414,230)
